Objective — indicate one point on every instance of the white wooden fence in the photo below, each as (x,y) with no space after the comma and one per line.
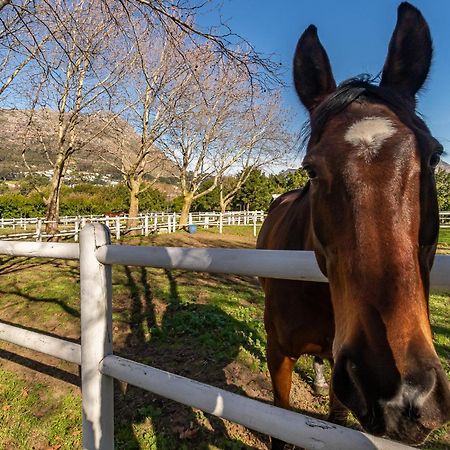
(99,365)
(69,226)
(444,219)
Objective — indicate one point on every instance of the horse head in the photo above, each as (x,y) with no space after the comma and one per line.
(374,216)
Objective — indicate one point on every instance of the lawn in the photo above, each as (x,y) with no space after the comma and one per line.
(207,327)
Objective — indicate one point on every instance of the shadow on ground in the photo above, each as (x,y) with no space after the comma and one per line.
(191,339)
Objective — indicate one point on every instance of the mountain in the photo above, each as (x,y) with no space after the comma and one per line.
(444,166)
(102,139)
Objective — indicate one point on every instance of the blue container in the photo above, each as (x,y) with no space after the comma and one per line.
(192,228)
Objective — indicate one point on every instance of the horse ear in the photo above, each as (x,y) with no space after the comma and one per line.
(312,71)
(410,50)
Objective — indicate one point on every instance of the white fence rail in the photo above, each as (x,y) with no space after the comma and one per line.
(444,219)
(99,366)
(70,226)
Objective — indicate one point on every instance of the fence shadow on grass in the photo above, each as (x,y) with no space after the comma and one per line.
(17,291)
(183,336)
(11,264)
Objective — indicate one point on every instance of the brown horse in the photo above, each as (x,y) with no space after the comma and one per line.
(370,214)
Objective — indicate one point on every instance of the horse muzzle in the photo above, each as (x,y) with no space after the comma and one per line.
(420,403)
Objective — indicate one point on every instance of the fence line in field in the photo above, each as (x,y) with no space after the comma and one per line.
(99,365)
(444,219)
(70,226)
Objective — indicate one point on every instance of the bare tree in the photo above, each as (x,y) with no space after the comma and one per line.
(262,139)
(155,83)
(21,39)
(186,88)
(81,68)
(179,16)
(222,125)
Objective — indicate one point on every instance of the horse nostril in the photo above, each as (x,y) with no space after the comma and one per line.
(412,412)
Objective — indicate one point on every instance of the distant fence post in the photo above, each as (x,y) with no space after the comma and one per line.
(38,229)
(118,227)
(174,223)
(220,222)
(254,223)
(77,228)
(96,340)
(146,224)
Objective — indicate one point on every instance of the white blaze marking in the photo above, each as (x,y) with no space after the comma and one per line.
(369,134)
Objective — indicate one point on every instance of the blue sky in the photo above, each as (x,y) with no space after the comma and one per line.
(355,34)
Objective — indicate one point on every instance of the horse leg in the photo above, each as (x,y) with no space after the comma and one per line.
(280,368)
(320,384)
(338,412)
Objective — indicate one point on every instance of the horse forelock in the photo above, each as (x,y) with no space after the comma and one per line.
(359,88)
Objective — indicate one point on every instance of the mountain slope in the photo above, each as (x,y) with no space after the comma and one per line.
(35,138)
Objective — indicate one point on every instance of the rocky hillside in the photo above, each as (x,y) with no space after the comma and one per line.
(101,140)
(444,166)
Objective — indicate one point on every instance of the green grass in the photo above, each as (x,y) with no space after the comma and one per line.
(203,326)
(444,236)
(33,416)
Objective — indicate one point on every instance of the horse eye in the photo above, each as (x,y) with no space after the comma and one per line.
(311,172)
(434,160)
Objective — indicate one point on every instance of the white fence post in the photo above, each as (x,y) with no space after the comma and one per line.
(254,224)
(220,223)
(117,228)
(38,229)
(96,340)
(146,224)
(76,229)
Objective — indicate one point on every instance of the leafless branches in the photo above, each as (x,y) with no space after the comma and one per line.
(172,95)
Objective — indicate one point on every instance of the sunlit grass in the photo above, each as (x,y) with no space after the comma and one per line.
(176,320)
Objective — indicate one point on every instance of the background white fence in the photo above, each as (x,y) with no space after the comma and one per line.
(444,219)
(70,226)
(99,365)
(34,228)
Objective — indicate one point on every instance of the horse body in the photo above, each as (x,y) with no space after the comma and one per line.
(306,334)
(369,212)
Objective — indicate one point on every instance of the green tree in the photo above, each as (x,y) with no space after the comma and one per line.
(152,200)
(256,193)
(443,189)
(209,201)
(289,180)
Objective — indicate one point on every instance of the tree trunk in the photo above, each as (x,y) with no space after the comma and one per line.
(52,215)
(223,205)
(187,203)
(134,205)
